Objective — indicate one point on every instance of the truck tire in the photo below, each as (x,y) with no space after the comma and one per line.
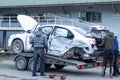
(30,64)
(57,66)
(21,63)
(47,65)
(17,46)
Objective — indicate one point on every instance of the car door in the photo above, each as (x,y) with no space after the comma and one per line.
(60,39)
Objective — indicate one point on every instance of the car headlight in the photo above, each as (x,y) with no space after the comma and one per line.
(86,55)
(92,42)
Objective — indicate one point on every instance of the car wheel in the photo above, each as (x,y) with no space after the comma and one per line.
(17,46)
(30,65)
(57,66)
(21,63)
(47,65)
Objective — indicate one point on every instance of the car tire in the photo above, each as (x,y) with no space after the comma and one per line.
(30,65)
(17,46)
(47,66)
(57,66)
(21,63)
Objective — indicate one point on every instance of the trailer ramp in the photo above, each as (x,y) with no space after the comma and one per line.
(79,64)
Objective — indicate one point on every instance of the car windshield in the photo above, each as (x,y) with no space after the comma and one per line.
(84,25)
(86,28)
(81,31)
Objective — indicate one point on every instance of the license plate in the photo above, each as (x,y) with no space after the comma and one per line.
(89,65)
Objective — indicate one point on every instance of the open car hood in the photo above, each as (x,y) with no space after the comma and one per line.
(26,22)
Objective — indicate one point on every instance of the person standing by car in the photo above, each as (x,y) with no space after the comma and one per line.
(108,52)
(39,42)
(116,55)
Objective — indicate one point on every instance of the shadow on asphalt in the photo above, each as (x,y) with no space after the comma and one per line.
(74,72)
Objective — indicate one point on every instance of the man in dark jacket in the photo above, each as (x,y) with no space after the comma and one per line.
(108,52)
(116,55)
(39,42)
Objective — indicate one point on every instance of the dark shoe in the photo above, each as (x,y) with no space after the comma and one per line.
(34,75)
(103,75)
(111,76)
(116,75)
(43,75)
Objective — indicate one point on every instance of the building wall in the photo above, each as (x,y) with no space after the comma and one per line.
(110,13)
(34,3)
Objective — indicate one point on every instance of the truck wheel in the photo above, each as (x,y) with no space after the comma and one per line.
(17,46)
(47,65)
(59,66)
(30,65)
(21,63)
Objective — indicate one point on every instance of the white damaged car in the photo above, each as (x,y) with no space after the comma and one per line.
(62,39)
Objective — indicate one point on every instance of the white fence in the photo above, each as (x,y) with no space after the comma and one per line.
(11,21)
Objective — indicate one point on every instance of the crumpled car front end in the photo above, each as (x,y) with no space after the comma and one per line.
(82,48)
(89,48)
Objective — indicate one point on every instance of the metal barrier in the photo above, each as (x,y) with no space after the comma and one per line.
(11,21)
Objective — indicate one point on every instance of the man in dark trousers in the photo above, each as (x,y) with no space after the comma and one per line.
(116,55)
(108,52)
(39,42)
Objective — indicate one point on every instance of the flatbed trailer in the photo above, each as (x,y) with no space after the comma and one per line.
(25,61)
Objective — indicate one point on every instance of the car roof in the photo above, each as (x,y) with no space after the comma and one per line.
(63,26)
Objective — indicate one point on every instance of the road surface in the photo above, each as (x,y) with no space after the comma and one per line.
(9,72)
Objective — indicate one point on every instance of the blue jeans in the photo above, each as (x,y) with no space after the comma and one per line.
(39,55)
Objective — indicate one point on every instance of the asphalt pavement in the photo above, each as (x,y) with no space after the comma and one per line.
(9,72)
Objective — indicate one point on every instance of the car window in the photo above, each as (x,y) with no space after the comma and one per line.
(47,29)
(70,35)
(63,33)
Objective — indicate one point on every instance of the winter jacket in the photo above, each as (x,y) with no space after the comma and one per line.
(109,41)
(116,44)
(39,40)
